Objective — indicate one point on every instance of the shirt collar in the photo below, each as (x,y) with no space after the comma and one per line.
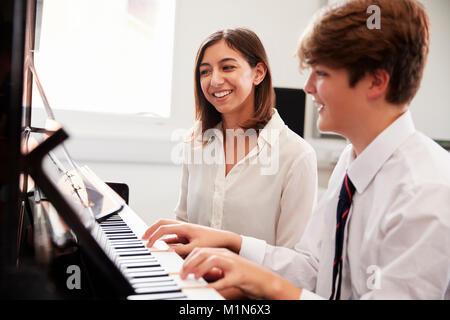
(271,131)
(362,169)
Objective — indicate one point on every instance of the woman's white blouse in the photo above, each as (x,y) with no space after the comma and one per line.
(269,194)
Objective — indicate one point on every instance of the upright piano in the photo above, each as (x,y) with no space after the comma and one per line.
(58,218)
(108,232)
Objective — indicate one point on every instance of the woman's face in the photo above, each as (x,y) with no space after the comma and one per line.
(227,80)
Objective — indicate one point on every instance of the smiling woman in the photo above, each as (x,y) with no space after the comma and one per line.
(233,58)
(261,170)
(229,83)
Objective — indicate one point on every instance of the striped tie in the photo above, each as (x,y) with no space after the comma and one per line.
(343,208)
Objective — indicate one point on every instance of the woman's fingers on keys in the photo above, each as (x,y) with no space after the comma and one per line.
(175,229)
(213,275)
(183,249)
(175,240)
(156,225)
(197,258)
(206,261)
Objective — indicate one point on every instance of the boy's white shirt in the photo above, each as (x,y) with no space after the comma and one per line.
(397,238)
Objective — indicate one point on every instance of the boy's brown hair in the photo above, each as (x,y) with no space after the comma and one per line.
(339,37)
(249,45)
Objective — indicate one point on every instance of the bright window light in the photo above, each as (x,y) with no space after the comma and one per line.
(108,56)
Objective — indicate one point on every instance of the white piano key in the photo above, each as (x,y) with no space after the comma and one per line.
(189,282)
(171,261)
(158,296)
(150,280)
(202,294)
(119,245)
(132,250)
(141,260)
(159,289)
(149,284)
(113,224)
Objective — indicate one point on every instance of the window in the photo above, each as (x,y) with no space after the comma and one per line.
(106,56)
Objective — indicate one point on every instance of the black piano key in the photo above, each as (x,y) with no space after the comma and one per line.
(123,237)
(118,246)
(133,242)
(113,223)
(119,239)
(107,228)
(131,251)
(125,241)
(148,274)
(136,281)
(119,232)
(113,216)
(128,246)
(143,269)
(138,262)
(123,249)
(134,254)
(141,265)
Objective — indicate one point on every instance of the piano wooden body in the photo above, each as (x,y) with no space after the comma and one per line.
(68,219)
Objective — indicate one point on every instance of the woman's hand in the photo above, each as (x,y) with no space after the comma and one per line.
(254,280)
(187,236)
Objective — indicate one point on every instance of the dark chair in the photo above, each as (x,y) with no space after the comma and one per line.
(121,189)
(290,104)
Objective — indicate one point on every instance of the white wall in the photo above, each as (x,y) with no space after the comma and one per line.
(137,151)
(431,106)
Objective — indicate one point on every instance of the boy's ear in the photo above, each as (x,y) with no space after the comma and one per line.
(379,83)
(260,73)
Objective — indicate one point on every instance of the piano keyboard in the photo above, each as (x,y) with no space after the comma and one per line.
(152,272)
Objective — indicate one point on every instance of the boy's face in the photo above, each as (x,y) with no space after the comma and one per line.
(339,105)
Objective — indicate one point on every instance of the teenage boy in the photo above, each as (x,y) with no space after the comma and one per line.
(382,229)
